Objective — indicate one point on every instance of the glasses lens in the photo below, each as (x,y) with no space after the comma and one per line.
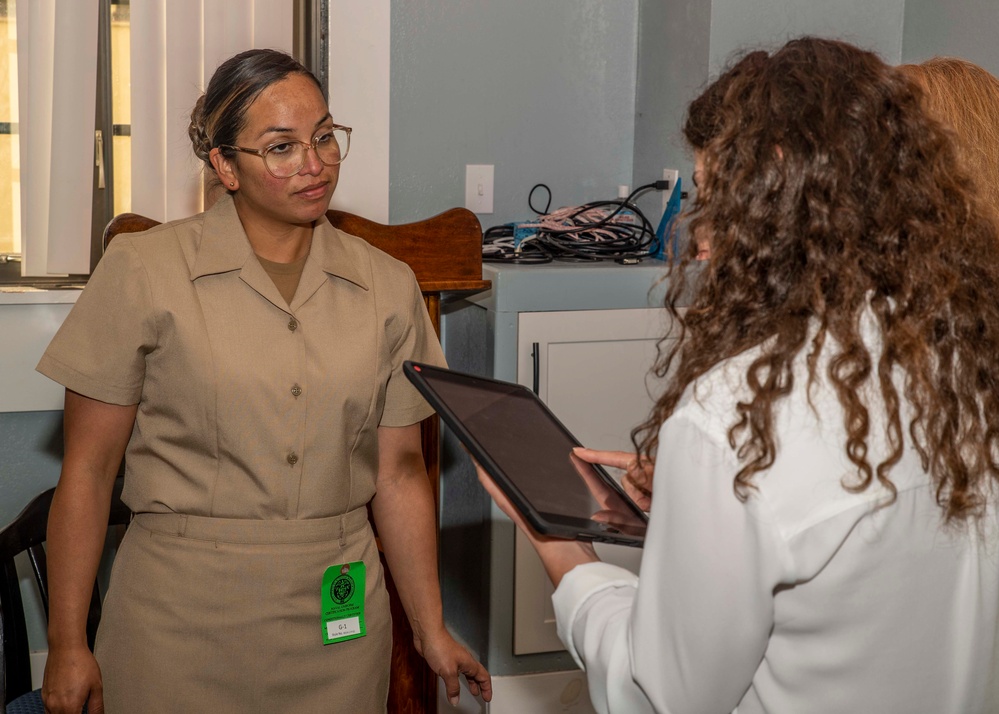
(332,147)
(284,160)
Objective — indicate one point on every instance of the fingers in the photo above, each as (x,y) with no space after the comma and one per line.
(616,459)
(452,661)
(96,703)
(477,679)
(600,490)
(73,702)
(640,483)
(451,687)
(68,705)
(638,493)
(609,516)
(480,682)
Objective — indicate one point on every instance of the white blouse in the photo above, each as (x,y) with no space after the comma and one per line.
(803,598)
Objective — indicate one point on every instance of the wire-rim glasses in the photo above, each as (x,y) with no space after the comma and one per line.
(284,159)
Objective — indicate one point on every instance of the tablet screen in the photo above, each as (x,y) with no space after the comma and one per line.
(521,436)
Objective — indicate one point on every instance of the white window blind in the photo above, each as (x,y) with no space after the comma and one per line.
(57,89)
(176,46)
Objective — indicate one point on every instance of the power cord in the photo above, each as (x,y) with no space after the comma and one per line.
(601,230)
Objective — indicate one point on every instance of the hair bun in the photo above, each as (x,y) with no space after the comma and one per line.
(196,131)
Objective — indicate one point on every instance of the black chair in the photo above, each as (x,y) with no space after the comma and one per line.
(27,534)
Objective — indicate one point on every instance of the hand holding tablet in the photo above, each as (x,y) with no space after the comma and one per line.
(528,453)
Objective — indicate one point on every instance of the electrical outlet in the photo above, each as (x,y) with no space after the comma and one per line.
(671,175)
(479,188)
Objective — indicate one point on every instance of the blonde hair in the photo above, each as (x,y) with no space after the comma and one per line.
(965,98)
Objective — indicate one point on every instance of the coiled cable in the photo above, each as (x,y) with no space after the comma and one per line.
(600,230)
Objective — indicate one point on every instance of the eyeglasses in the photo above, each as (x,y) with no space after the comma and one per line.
(286,158)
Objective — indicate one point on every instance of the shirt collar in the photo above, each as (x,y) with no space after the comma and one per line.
(224,246)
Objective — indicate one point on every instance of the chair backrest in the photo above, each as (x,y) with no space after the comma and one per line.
(26,534)
(445,253)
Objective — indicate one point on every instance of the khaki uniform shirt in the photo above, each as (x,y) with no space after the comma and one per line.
(247,407)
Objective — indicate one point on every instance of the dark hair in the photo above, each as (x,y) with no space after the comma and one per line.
(704,115)
(220,113)
(827,189)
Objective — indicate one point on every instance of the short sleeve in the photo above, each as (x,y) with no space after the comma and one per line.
(100,349)
(415,340)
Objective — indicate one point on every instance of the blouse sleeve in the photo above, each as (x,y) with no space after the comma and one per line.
(99,351)
(416,340)
(690,632)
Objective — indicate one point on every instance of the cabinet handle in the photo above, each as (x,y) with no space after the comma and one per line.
(536,359)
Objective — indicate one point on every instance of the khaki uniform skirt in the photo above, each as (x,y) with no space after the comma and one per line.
(223,615)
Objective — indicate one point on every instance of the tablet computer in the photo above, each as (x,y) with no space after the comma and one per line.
(528,453)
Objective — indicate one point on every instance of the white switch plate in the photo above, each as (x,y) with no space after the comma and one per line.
(479,188)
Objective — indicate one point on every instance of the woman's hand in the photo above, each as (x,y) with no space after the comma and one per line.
(558,555)
(403,510)
(451,661)
(72,679)
(96,434)
(637,480)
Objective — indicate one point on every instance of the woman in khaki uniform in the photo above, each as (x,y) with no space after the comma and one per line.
(247,361)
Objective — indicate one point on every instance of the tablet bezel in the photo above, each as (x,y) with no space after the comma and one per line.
(545,523)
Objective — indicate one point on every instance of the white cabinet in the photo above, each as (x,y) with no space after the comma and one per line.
(592,368)
(596,327)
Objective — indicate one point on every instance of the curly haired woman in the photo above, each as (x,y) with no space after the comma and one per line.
(823,534)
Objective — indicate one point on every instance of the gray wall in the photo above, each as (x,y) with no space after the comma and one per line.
(544,91)
(684,43)
(673,53)
(740,24)
(30,457)
(957,28)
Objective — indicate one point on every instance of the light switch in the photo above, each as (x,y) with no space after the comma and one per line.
(479,188)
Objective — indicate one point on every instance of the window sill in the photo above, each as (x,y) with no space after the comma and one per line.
(22,295)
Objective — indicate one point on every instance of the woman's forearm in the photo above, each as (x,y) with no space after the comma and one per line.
(96,434)
(404,517)
(76,531)
(403,510)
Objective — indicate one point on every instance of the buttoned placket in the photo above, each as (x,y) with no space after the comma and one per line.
(294,455)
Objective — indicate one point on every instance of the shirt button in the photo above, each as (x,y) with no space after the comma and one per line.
(292,458)
(296,391)
(293,324)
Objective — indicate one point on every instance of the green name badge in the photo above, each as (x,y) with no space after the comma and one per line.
(343,603)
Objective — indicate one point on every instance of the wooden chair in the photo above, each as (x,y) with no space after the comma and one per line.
(27,534)
(445,253)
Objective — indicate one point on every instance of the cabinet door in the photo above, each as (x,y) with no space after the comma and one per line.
(592,368)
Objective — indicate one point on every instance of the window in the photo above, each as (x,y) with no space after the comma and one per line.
(10,213)
(121,129)
(44,212)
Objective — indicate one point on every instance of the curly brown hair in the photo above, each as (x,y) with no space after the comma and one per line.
(826,189)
